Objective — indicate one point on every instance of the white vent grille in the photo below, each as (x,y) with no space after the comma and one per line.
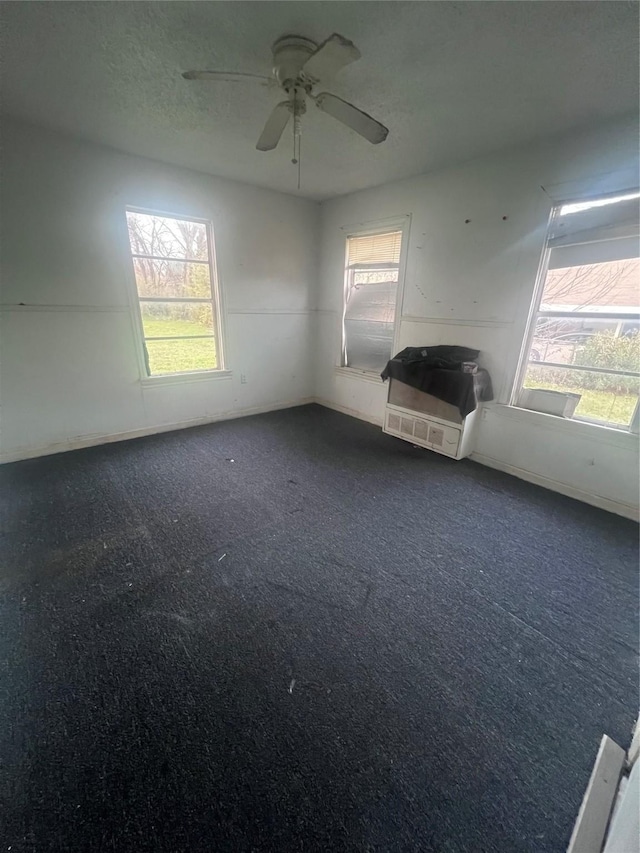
(407,426)
(421,430)
(393,422)
(436,436)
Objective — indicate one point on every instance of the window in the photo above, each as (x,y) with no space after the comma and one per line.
(177,293)
(371,291)
(584,338)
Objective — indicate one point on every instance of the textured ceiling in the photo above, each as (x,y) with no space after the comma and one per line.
(450,80)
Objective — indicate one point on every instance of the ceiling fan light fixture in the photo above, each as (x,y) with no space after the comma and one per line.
(299,65)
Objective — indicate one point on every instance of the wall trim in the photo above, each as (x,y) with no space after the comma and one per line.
(452,321)
(276,311)
(122,308)
(361,416)
(109,438)
(19,306)
(617,507)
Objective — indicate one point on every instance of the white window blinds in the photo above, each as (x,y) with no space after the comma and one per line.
(374,250)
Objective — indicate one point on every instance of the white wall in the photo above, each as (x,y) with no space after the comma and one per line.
(472,283)
(69,367)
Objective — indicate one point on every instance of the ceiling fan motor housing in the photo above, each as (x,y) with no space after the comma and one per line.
(299,65)
(289,55)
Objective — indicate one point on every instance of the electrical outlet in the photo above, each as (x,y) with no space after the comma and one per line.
(243,378)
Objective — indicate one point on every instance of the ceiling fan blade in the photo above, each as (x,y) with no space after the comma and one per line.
(228,77)
(274,128)
(352,117)
(332,55)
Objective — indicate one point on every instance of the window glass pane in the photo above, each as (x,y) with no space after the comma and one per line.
(176,319)
(368,347)
(611,286)
(166,237)
(613,344)
(181,355)
(595,219)
(171,278)
(603,397)
(592,204)
(372,296)
(588,315)
(369,318)
(598,252)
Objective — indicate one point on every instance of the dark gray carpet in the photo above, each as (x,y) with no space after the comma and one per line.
(293,633)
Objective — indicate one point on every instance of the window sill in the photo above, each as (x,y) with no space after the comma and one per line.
(180,378)
(596,432)
(356,373)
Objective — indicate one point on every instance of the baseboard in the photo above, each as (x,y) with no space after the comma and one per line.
(617,507)
(623,509)
(626,510)
(329,404)
(93,440)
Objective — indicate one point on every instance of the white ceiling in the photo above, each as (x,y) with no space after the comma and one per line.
(451,80)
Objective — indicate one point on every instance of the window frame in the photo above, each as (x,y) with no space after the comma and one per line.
(215,300)
(367,229)
(535,313)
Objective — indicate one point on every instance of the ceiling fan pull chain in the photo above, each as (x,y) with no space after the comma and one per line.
(297,132)
(294,159)
(296,126)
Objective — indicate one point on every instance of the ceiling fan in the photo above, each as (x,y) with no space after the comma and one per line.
(299,65)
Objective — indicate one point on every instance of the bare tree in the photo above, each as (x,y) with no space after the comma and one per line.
(588,286)
(164,248)
(591,284)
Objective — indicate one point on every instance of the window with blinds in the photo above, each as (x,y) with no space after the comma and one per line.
(373,262)
(584,339)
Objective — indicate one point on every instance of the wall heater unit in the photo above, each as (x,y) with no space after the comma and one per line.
(428,422)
